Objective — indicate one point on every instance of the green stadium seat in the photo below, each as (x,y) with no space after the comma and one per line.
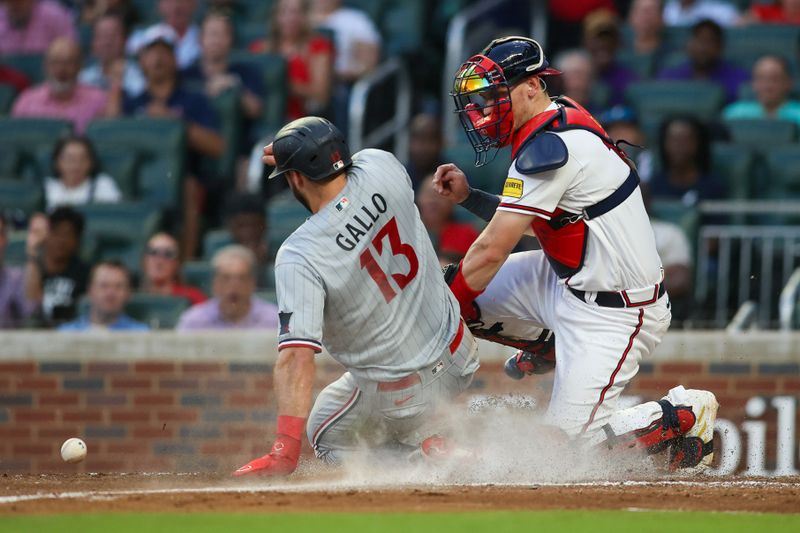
(762,134)
(675,211)
(146,11)
(119,231)
(227,107)
(32,65)
(284,215)
(214,240)
(783,166)
(7,96)
(16,253)
(23,139)
(19,195)
(157,310)
(160,148)
(273,68)
(121,164)
(656,100)
(248,31)
(198,274)
(402,25)
(734,164)
(759,39)
(269,296)
(641,64)
(373,8)
(489,177)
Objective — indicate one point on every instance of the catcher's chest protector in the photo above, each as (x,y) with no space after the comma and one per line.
(564,237)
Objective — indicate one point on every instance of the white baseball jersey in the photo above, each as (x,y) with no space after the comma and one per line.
(361,277)
(621,251)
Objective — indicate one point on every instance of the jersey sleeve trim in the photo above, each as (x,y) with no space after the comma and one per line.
(300,343)
(525,210)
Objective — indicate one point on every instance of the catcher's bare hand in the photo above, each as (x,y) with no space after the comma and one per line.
(450,182)
(268,157)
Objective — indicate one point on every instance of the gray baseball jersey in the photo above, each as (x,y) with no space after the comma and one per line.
(361,277)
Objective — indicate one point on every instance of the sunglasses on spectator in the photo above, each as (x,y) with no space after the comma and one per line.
(164,253)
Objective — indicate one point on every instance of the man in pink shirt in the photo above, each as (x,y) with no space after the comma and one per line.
(29,26)
(61,96)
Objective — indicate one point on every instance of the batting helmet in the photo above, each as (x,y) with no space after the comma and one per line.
(482,91)
(312,146)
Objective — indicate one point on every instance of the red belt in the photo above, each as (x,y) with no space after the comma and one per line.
(413,379)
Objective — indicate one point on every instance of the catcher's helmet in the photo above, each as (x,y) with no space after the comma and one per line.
(312,146)
(482,91)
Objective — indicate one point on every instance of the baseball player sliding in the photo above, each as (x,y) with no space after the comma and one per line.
(597,283)
(361,277)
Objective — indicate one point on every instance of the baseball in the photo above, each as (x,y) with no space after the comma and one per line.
(73,450)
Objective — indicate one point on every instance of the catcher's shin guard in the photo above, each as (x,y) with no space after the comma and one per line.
(675,422)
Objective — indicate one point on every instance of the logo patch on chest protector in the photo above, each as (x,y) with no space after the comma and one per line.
(512,188)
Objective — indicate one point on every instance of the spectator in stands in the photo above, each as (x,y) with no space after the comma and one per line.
(177,15)
(76,178)
(109,292)
(108,65)
(309,57)
(30,26)
(218,74)
(685,154)
(577,80)
(566,18)
(55,276)
(165,97)
(676,258)
(772,85)
(357,44)
(424,147)
(451,239)
(690,12)
(234,305)
(15,308)
(647,23)
(161,270)
(704,48)
(779,12)
(247,223)
(621,125)
(61,95)
(601,38)
(93,10)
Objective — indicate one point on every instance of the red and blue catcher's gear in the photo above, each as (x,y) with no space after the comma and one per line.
(283,458)
(539,358)
(482,91)
(536,148)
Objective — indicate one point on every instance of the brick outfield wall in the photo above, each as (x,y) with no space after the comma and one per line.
(160,415)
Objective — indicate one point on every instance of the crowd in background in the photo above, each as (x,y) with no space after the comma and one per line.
(177,67)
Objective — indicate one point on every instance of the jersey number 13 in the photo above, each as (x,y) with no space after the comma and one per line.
(397,248)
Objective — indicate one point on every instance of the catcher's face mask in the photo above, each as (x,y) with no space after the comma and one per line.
(483,103)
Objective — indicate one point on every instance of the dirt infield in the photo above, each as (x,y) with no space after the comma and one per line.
(92,493)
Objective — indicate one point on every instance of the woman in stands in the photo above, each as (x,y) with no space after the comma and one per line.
(309,57)
(685,154)
(161,270)
(76,178)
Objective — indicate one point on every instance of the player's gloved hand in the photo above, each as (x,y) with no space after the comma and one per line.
(463,292)
(540,359)
(285,454)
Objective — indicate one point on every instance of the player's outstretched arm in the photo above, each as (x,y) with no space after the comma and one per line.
(293,378)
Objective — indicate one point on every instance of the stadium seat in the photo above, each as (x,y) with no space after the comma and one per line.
(284,215)
(641,64)
(198,274)
(16,253)
(119,231)
(214,240)
(20,195)
(160,148)
(227,107)
(402,24)
(656,100)
(783,166)
(121,164)
(146,11)
(32,65)
(7,95)
(273,69)
(23,139)
(489,177)
(675,211)
(734,164)
(157,310)
(762,134)
(269,296)
(760,39)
